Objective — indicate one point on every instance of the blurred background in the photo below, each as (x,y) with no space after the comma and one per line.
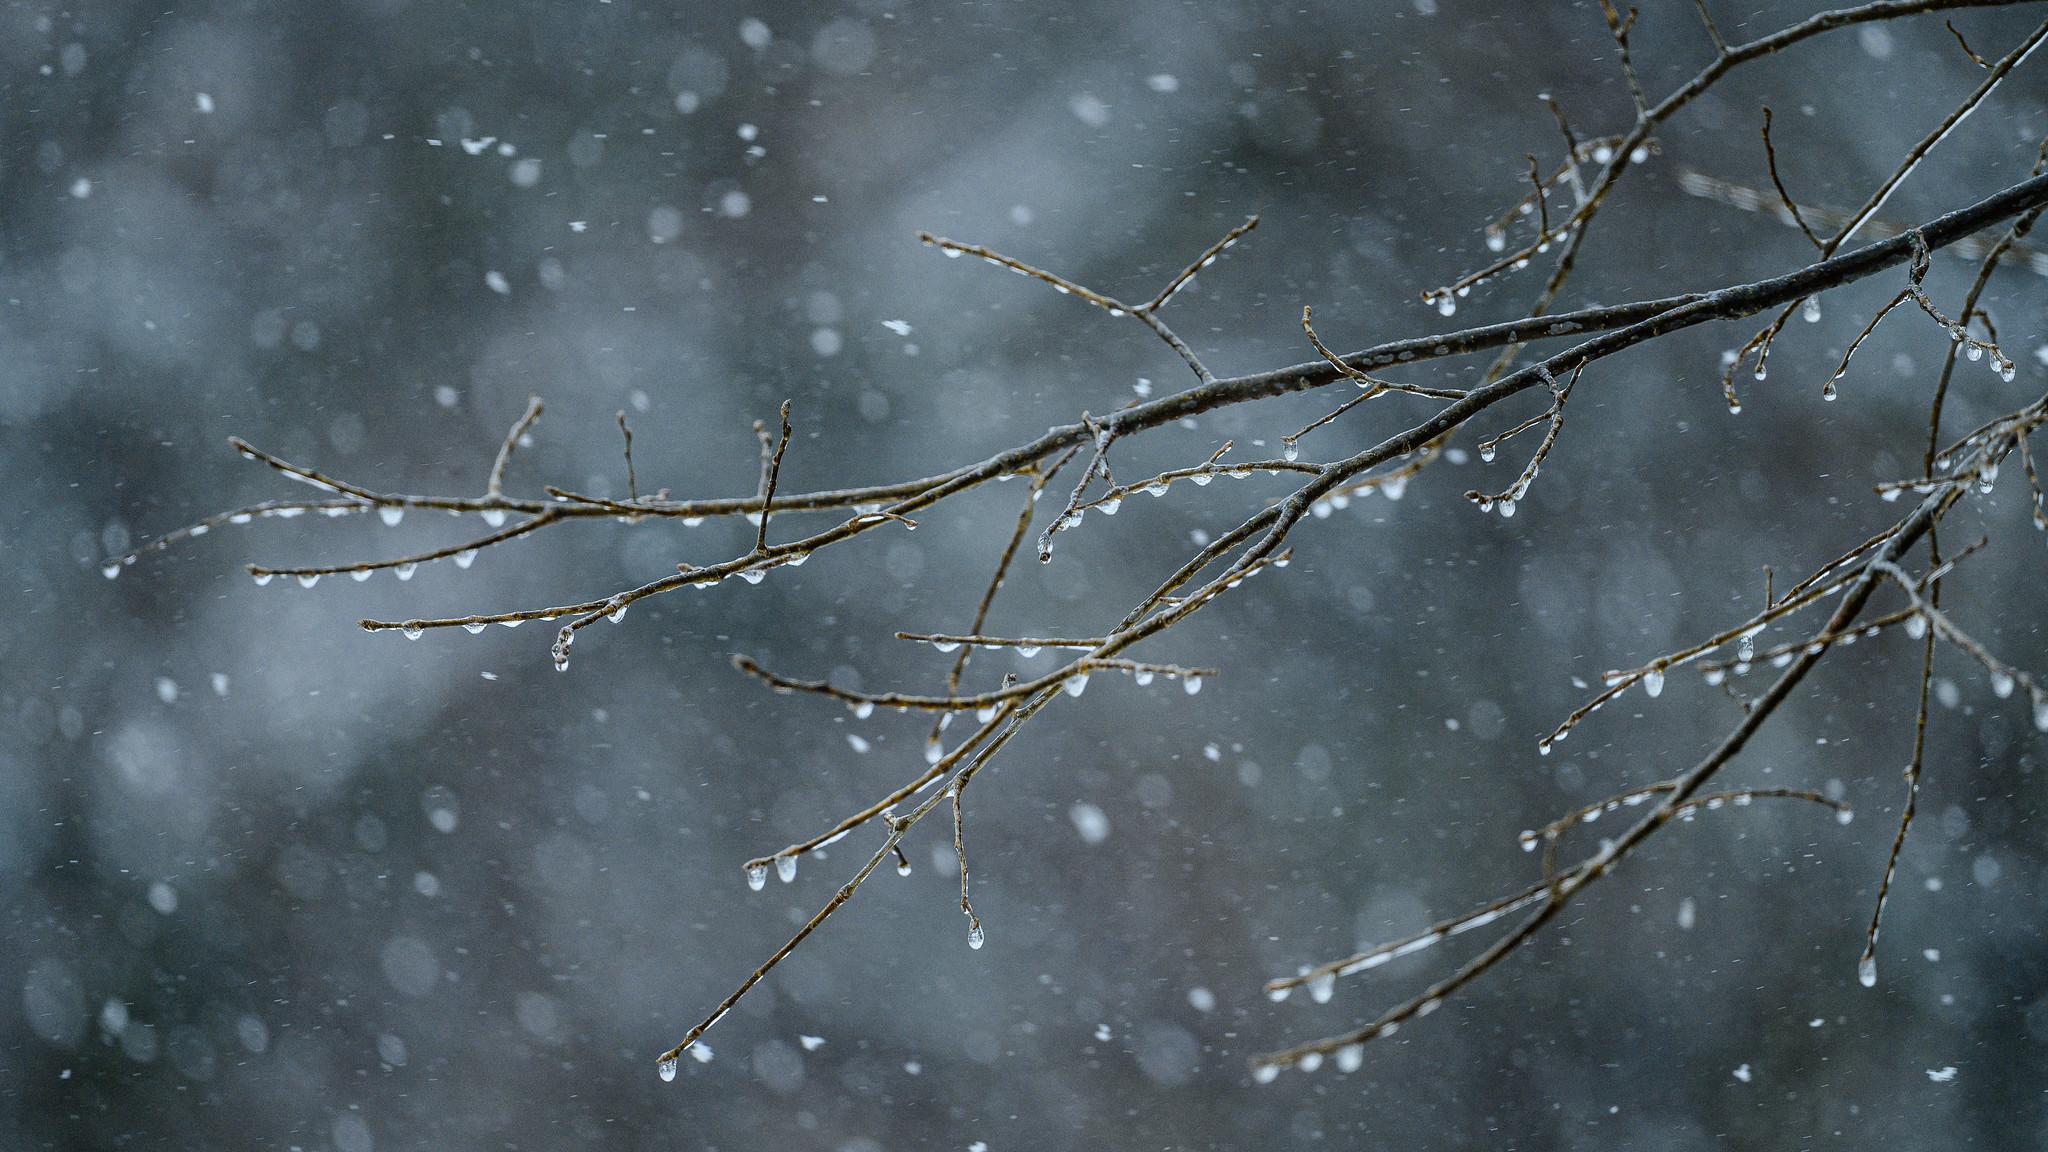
(276,882)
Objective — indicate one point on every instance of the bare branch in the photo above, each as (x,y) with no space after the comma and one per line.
(496,486)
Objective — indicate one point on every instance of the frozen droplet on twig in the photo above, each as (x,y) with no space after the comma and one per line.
(864,709)
(495,517)
(1077,685)
(934,752)
(1191,684)
(2001,685)
(465,558)
(975,938)
(1653,683)
(1322,988)
(1446,304)
(1310,1062)
(309,579)
(1349,1057)
(1916,626)
(1487,452)
(1810,310)
(405,571)
(668,1069)
(111,570)
(360,574)
(946,645)
(412,633)
(1276,995)
(617,613)
(1267,1073)
(1866,972)
(391,514)
(1142,677)
(785,869)
(1289,450)
(752,575)
(1845,815)
(757,877)
(473,627)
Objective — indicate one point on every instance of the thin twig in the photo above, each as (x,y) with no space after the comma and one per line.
(496,486)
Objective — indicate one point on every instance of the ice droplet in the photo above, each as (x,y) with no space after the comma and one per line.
(2001,685)
(111,570)
(1193,684)
(1109,507)
(1446,305)
(668,1069)
(495,517)
(1827,391)
(1027,651)
(757,877)
(903,867)
(1845,816)
(785,868)
(1311,1062)
(1916,626)
(1653,683)
(1077,685)
(1276,995)
(1975,352)
(412,633)
(863,710)
(1495,242)
(405,571)
(752,575)
(1142,678)
(360,574)
(934,752)
(1488,451)
(1866,972)
(1290,451)
(465,558)
(473,628)
(946,645)
(1810,311)
(975,939)
(617,614)
(1267,1074)
(1507,509)
(2041,714)
(308,580)
(1322,988)
(1350,1057)
(391,515)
